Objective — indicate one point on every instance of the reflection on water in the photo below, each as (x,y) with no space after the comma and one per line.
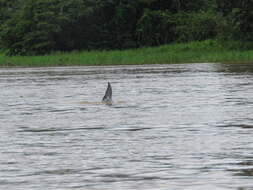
(246,168)
(182,126)
(242,68)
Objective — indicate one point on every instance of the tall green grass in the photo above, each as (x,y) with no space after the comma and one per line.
(205,51)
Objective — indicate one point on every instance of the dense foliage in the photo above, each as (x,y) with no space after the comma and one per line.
(30,27)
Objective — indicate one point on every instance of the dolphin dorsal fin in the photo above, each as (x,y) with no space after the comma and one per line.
(108,94)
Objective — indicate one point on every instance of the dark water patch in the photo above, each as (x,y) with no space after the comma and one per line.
(116,175)
(16,104)
(57,172)
(60,130)
(125,106)
(244,126)
(52,154)
(26,113)
(94,169)
(9,162)
(12,183)
(236,68)
(61,110)
(83,109)
(122,177)
(150,178)
(246,163)
(134,129)
(243,172)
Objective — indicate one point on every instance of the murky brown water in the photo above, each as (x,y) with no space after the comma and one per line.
(182,126)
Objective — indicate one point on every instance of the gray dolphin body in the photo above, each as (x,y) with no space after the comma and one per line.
(107,99)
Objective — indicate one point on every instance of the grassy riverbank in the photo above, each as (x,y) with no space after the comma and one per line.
(205,51)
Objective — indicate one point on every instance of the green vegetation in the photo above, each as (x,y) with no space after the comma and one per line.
(38,27)
(88,32)
(205,51)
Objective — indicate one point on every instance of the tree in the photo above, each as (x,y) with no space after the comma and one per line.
(239,13)
(32,29)
(156,28)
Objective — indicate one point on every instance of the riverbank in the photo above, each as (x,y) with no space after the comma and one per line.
(197,52)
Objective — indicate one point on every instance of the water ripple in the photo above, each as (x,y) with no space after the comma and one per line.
(177,126)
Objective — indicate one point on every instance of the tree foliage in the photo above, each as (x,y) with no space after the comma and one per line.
(239,16)
(30,27)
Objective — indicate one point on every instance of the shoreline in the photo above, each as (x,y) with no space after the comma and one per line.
(117,65)
(208,51)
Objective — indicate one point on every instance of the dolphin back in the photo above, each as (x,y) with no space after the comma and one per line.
(108,95)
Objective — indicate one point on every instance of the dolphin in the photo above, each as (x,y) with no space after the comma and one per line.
(107,99)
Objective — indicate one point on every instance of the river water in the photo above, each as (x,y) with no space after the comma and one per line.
(178,126)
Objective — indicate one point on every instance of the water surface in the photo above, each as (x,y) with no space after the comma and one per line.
(178,126)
